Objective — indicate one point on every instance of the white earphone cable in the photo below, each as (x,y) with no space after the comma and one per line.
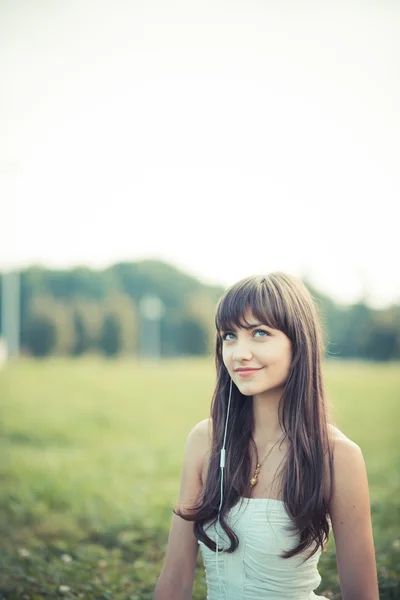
(222,465)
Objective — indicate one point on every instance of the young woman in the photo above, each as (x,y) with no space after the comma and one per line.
(268,474)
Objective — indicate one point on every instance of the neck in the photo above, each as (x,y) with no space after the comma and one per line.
(265,413)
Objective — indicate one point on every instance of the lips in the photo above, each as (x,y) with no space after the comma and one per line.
(246,370)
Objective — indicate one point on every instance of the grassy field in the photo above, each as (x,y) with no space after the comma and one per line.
(90,471)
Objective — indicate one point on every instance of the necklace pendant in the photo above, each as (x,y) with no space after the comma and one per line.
(254,479)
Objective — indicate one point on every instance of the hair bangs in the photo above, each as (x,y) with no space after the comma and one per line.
(251,293)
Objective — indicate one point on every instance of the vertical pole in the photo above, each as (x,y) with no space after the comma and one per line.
(10,309)
(150,312)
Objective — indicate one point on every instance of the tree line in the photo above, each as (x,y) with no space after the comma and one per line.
(81,310)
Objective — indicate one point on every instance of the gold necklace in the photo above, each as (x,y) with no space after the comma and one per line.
(254,479)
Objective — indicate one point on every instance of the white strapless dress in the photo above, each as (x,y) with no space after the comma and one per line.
(255,571)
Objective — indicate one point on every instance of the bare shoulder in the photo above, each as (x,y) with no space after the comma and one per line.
(348,464)
(201,437)
(203,432)
(341,444)
(335,434)
(347,457)
(205,427)
(193,460)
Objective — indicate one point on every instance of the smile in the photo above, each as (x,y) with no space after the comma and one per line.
(248,372)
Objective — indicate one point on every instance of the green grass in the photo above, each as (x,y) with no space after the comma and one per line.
(90,471)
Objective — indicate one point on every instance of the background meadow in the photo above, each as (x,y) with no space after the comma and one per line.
(91,462)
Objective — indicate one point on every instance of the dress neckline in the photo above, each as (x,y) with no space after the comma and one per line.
(263,499)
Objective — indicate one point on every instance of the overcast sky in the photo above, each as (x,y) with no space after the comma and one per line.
(229,138)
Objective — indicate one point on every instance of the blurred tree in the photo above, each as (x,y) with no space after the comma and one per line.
(87,318)
(193,337)
(201,308)
(350,330)
(383,339)
(82,339)
(122,307)
(133,280)
(61,315)
(111,335)
(41,335)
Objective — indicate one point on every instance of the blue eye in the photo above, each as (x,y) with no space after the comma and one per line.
(223,335)
(261,331)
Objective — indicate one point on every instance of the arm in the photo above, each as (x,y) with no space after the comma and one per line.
(351,523)
(177,575)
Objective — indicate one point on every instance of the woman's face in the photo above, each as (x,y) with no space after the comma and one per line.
(263,348)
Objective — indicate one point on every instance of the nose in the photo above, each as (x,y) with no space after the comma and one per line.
(241,352)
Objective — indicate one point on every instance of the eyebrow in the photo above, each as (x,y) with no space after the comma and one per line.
(253,326)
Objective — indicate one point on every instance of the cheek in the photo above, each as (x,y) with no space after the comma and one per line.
(226,350)
(224,354)
(226,357)
(276,357)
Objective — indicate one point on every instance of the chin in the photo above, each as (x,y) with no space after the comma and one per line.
(249,389)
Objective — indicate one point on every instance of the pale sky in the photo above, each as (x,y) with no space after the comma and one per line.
(228,138)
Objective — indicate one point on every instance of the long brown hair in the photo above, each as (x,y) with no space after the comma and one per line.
(283,302)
